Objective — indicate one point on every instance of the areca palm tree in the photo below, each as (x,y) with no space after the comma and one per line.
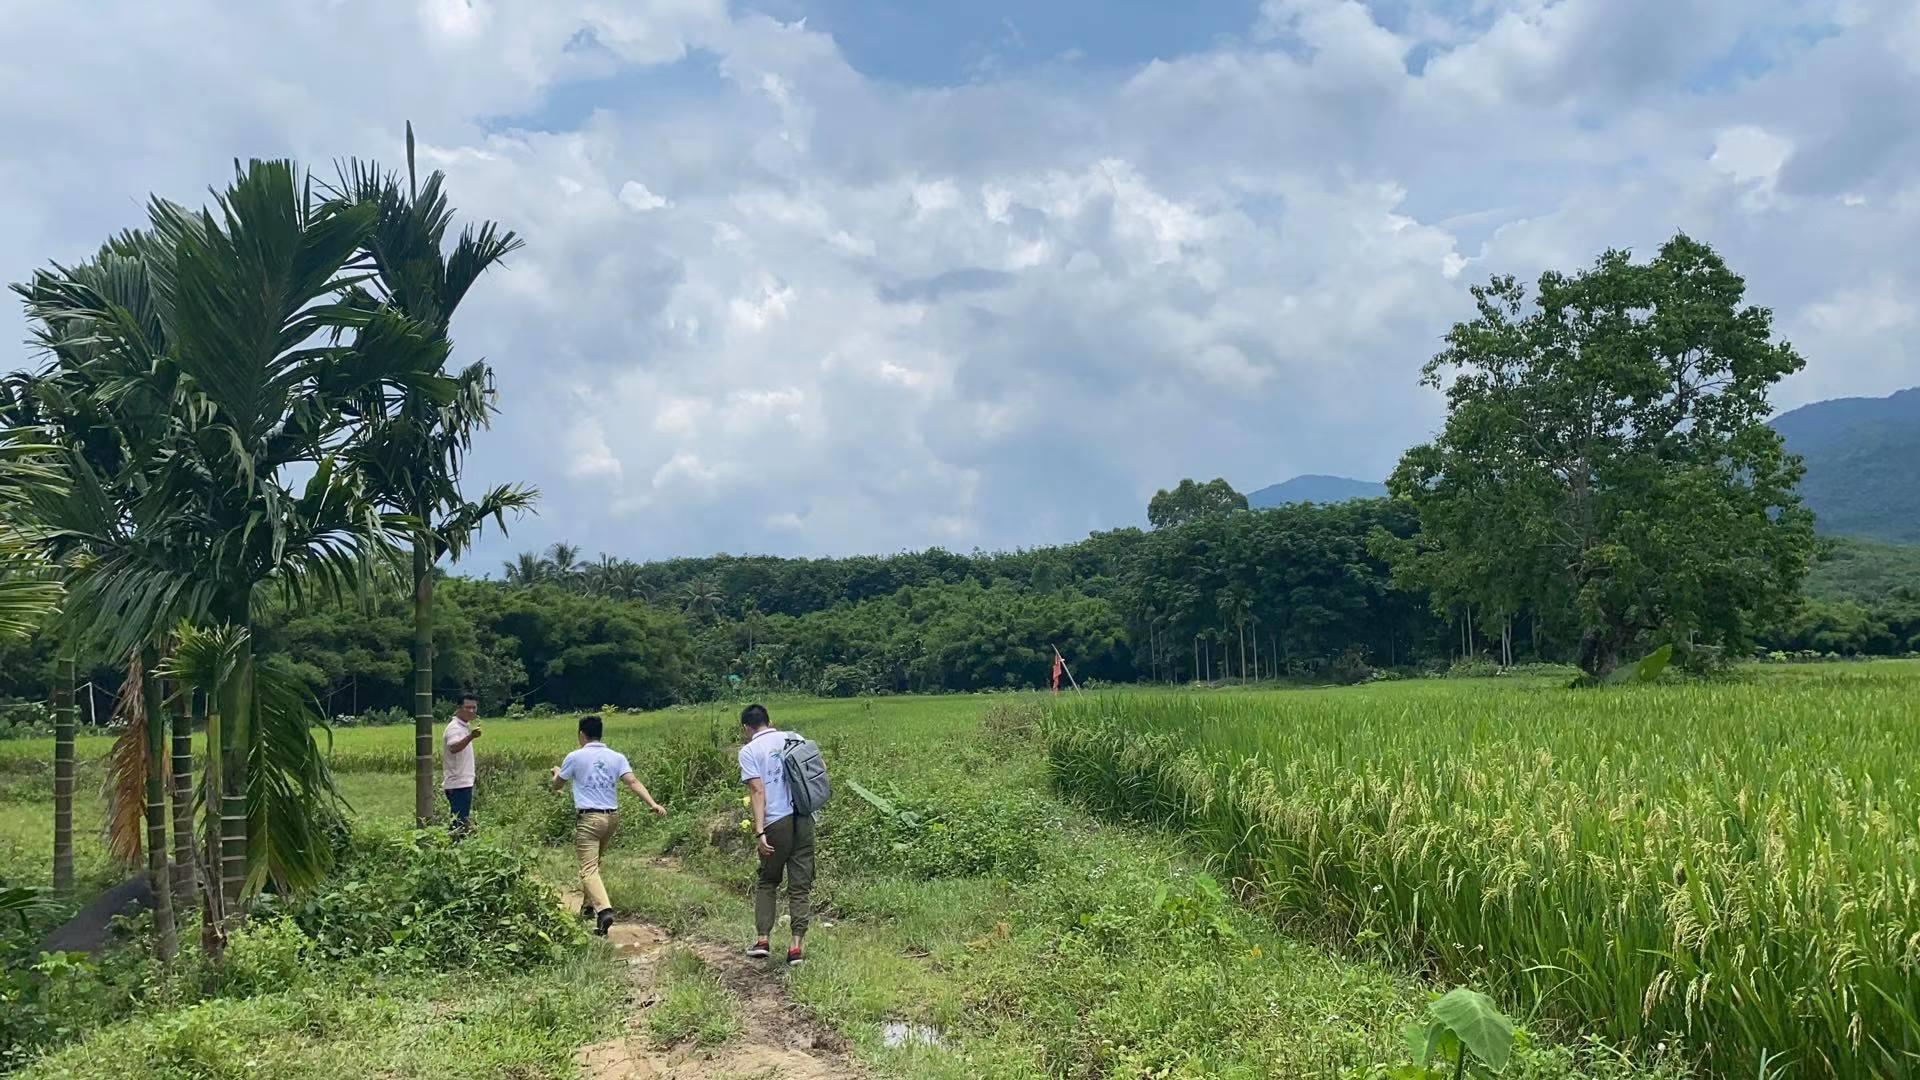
(221,389)
(100,404)
(414,441)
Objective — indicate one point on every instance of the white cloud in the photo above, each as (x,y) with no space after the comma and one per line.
(1875,310)
(636,196)
(589,456)
(1752,157)
(873,316)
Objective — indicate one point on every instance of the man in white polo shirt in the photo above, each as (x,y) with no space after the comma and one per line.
(456,763)
(784,838)
(596,773)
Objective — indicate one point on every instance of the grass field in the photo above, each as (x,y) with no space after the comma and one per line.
(1733,867)
(1035,940)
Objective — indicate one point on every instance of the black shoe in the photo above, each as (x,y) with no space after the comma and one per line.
(586,911)
(604,922)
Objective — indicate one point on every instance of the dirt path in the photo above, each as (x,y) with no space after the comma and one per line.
(778,1043)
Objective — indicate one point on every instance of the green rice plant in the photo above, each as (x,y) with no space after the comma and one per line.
(1731,867)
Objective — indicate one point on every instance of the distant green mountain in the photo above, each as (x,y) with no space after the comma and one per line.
(1862,571)
(1315,489)
(1863,464)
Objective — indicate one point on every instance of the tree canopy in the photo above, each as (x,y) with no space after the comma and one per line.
(1190,501)
(1606,462)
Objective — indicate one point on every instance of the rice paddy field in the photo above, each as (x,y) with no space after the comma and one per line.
(1729,868)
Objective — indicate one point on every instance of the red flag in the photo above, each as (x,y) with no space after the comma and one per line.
(1059,662)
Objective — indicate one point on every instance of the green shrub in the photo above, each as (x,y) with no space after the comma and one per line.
(509,794)
(407,903)
(695,759)
(1012,722)
(953,833)
(1350,667)
(57,997)
(266,956)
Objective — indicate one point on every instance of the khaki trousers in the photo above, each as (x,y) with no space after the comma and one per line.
(792,840)
(591,835)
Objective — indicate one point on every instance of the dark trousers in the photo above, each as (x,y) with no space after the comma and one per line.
(792,840)
(460,801)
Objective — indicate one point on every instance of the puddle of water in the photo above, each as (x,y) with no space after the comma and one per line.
(897,1033)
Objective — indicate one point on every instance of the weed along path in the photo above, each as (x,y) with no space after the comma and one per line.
(748,1029)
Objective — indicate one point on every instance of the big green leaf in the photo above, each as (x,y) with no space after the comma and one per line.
(1647,670)
(1481,1028)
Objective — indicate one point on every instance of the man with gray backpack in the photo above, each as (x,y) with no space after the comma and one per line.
(786,782)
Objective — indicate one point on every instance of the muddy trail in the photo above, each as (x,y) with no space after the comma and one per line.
(777,1041)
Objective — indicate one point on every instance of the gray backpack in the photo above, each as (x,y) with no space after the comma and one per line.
(806,773)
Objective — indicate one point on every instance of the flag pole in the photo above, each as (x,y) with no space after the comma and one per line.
(1063,667)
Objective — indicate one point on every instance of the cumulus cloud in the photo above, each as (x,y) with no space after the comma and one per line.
(770,302)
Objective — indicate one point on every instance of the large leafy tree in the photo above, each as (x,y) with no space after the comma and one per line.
(1606,458)
(199,384)
(416,436)
(1190,501)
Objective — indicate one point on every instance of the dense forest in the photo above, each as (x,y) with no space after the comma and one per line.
(1295,591)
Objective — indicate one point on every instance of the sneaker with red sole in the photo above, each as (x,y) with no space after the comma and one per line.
(759,950)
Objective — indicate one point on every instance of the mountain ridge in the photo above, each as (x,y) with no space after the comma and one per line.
(1862,456)
(1315,488)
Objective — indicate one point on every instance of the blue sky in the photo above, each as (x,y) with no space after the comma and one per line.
(826,276)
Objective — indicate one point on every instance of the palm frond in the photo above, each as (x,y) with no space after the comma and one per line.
(125,786)
(204,659)
(24,903)
(293,807)
(238,286)
(27,591)
(457,531)
(476,252)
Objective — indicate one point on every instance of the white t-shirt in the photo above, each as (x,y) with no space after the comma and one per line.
(595,772)
(764,759)
(456,766)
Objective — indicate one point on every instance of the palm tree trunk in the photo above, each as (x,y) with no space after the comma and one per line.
(213,920)
(236,741)
(166,936)
(182,785)
(422,686)
(63,776)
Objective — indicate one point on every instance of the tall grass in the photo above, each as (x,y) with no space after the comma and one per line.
(1734,867)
